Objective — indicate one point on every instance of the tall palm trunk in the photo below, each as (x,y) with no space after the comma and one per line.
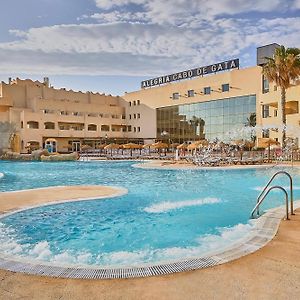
(283,116)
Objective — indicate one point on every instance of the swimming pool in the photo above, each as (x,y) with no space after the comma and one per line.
(167,215)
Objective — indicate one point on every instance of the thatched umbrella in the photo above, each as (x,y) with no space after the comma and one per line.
(192,146)
(182,146)
(249,144)
(266,143)
(86,147)
(132,146)
(159,146)
(111,147)
(174,145)
(101,146)
(239,143)
(203,143)
(197,144)
(147,146)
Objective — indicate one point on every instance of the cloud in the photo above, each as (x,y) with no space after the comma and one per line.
(121,17)
(297,4)
(138,49)
(156,37)
(108,4)
(114,38)
(178,12)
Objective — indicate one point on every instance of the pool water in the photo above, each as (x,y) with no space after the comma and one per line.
(167,215)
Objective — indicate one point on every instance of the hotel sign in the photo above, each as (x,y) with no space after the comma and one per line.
(222,66)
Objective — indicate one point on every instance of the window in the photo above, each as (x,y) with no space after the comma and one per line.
(265,111)
(129,103)
(225,87)
(134,116)
(71,126)
(175,96)
(22,124)
(115,128)
(64,113)
(130,117)
(138,102)
(138,116)
(104,127)
(139,129)
(77,127)
(134,129)
(134,102)
(92,127)
(32,125)
(129,128)
(123,117)
(266,87)
(191,93)
(265,133)
(49,125)
(207,90)
(275,113)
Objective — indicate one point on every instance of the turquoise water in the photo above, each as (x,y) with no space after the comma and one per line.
(166,215)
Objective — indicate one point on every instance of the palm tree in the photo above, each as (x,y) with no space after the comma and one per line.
(251,122)
(195,122)
(282,69)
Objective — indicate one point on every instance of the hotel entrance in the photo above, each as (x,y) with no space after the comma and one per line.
(51,145)
(76,146)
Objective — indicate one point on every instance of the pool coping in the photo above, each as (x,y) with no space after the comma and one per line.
(154,165)
(263,231)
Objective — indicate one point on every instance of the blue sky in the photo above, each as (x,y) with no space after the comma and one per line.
(111,45)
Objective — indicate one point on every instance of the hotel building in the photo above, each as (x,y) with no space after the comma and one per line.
(213,102)
(222,105)
(59,119)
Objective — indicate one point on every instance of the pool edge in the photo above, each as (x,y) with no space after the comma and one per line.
(263,232)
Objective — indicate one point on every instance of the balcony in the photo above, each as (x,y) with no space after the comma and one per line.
(291,107)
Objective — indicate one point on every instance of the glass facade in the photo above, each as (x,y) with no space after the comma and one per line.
(218,119)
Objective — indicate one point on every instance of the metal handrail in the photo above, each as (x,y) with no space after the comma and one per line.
(291,189)
(266,194)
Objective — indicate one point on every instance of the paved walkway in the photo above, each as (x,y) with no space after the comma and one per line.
(270,273)
(20,199)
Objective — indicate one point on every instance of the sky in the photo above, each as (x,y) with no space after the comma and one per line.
(112,45)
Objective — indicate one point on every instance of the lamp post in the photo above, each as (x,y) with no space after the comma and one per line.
(165,134)
(106,136)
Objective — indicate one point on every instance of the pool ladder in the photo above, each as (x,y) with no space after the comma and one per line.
(264,193)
